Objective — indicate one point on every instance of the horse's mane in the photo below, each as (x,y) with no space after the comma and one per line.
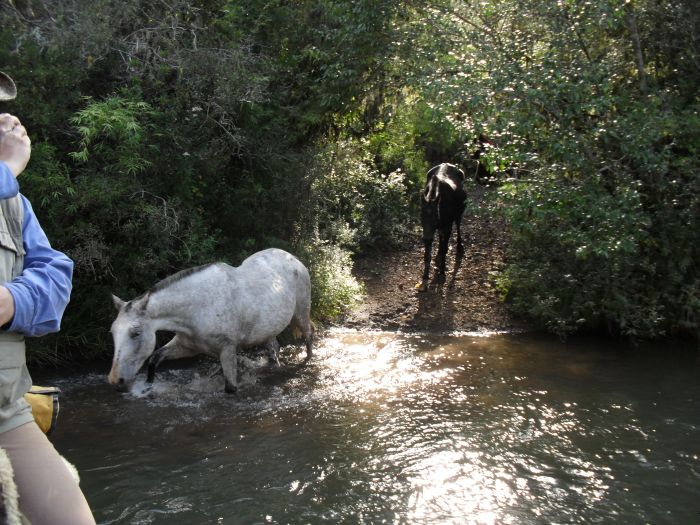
(142,300)
(179,276)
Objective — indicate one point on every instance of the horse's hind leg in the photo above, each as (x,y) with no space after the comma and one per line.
(302,315)
(427,256)
(460,245)
(307,330)
(230,368)
(273,350)
(302,322)
(443,243)
(309,339)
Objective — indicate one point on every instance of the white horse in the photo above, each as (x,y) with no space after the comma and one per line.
(214,310)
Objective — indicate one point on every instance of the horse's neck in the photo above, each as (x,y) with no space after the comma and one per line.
(167,308)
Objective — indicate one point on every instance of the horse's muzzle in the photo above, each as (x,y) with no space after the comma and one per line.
(116,379)
(121,384)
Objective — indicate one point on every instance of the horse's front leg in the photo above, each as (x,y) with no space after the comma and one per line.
(229,366)
(160,355)
(427,256)
(176,348)
(157,357)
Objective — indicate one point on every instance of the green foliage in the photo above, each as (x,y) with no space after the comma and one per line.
(353,205)
(414,138)
(591,99)
(578,245)
(113,129)
(48,177)
(169,134)
(334,290)
(107,216)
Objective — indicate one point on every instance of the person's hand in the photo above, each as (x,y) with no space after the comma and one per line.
(7,306)
(15,146)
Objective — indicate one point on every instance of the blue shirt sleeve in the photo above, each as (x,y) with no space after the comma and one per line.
(8,183)
(42,291)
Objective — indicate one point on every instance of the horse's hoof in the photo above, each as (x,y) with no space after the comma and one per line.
(230,389)
(421,286)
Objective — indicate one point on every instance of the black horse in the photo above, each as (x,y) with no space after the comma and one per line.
(443,204)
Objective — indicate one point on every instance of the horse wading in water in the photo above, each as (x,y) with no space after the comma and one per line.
(213,309)
(442,206)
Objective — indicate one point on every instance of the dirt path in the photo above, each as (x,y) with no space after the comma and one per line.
(465,302)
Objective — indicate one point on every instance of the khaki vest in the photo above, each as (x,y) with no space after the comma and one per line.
(14,376)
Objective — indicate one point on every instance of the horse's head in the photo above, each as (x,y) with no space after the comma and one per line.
(134,341)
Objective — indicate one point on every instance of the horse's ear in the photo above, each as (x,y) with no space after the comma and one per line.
(118,303)
(144,304)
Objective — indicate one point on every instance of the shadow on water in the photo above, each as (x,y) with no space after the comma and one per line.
(401,428)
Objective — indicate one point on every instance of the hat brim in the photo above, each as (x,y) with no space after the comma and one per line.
(8,90)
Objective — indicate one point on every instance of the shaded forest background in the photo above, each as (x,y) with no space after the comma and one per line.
(172,133)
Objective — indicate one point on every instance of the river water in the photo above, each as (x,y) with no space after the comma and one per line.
(399,428)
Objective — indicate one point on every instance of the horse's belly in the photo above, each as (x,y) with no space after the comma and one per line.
(255,321)
(267,324)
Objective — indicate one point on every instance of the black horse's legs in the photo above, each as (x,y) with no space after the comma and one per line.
(444,239)
(427,256)
(460,246)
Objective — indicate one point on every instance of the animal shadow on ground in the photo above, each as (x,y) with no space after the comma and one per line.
(436,301)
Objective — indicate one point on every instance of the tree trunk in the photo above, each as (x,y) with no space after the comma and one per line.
(637,43)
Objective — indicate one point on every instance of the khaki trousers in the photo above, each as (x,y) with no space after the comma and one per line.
(48,492)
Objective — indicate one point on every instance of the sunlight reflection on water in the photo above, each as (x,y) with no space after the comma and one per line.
(395,428)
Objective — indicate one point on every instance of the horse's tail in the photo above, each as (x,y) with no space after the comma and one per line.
(297,332)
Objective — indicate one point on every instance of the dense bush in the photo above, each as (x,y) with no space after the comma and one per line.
(334,290)
(353,204)
(166,135)
(594,100)
(579,246)
(169,134)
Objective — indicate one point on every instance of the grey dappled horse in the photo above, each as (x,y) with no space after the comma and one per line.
(214,310)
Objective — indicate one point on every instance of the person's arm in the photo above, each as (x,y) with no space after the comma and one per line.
(9,187)
(41,292)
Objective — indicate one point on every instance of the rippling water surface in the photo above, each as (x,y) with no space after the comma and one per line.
(396,428)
